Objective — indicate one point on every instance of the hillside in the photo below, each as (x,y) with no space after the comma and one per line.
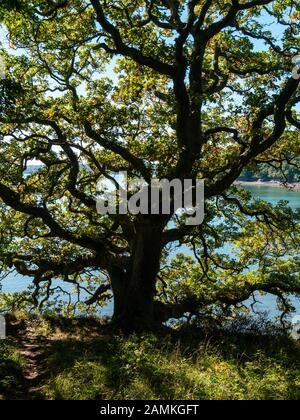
(80,359)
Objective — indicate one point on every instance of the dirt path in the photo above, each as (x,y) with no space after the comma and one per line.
(35,340)
(31,347)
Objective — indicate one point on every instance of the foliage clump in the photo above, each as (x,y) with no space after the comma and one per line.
(11,368)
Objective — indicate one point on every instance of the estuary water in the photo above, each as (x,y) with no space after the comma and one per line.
(267,303)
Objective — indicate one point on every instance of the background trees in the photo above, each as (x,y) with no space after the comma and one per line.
(199,89)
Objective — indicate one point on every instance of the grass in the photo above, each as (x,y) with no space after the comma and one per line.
(149,369)
(83,361)
(11,368)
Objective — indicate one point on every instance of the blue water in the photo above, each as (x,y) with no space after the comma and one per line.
(16,283)
(275,194)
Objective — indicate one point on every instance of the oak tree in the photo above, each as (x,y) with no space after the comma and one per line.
(172,89)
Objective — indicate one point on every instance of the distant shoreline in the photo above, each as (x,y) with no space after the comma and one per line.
(277,184)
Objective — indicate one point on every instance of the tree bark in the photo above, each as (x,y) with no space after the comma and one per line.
(134,294)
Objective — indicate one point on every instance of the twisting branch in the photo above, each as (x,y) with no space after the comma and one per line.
(125,50)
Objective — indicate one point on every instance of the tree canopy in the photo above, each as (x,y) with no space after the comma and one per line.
(170,89)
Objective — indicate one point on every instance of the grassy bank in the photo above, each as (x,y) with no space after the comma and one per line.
(11,369)
(79,359)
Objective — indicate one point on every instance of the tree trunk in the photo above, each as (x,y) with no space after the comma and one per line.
(134,295)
